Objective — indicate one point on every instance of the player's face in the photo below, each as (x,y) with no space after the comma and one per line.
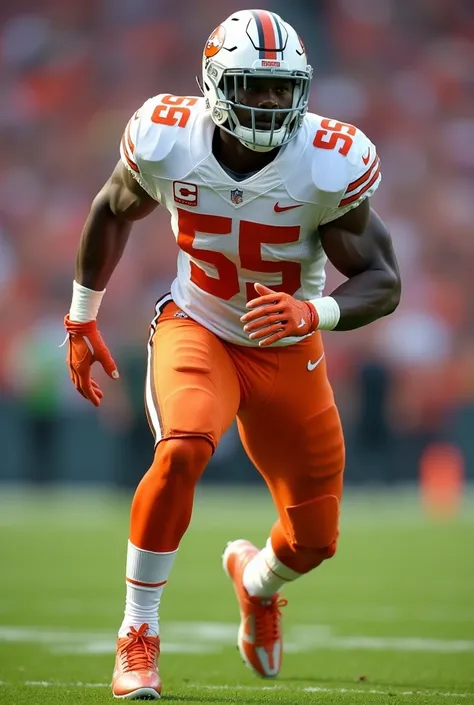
(265,93)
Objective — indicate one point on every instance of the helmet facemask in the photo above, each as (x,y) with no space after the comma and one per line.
(226,83)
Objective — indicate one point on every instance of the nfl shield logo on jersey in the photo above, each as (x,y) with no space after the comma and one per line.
(236,196)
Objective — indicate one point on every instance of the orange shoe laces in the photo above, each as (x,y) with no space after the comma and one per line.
(139,651)
(267,621)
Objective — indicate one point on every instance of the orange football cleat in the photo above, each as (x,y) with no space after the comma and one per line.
(260,638)
(135,675)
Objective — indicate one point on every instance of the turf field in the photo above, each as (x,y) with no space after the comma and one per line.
(389,620)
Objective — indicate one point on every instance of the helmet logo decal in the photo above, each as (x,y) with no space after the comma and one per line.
(215,42)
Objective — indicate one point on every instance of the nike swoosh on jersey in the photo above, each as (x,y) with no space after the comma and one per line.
(280,209)
(366,159)
(312,365)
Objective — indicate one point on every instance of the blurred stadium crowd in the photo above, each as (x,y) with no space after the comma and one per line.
(72,73)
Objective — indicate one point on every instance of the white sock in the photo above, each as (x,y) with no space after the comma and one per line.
(146,576)
(265,574)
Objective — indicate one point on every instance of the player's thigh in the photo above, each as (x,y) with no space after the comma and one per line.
(191,384)
(302,462)
(295,438)
(296,461)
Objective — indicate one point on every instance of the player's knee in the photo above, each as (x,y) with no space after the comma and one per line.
(183,458)
(307,533)
(314,525)
(193,412)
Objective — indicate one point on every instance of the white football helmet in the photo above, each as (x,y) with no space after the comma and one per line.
(255,43)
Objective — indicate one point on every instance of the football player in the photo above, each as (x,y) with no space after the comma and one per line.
(260,194)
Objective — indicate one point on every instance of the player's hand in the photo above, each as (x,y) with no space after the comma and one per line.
(275,315)
(86,347)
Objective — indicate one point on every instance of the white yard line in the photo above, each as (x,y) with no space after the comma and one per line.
(320,689)
(256,688)
(212,637)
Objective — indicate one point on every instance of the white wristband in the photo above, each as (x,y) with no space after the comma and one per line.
(328,311)
(85,303)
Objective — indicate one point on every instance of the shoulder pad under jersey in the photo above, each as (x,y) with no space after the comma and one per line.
(159,128)
(345,164)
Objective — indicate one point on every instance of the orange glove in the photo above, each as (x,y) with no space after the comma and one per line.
(86,347)
(276,315)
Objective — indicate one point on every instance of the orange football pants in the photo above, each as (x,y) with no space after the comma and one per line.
(197,384)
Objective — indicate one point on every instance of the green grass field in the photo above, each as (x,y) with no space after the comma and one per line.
(389,620)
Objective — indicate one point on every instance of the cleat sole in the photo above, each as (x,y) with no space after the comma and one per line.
(140,694)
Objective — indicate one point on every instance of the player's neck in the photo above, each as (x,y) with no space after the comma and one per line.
(235,156)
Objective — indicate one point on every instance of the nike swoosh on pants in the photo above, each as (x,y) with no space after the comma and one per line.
(313,365)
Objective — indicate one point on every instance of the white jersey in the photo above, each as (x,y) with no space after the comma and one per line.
(263,228)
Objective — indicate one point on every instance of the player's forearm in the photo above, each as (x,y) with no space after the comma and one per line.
(366,297)
(101,246)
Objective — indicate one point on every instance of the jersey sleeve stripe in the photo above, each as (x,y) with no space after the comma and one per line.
(355,196)
(355,184)
(129,139)
(129,161)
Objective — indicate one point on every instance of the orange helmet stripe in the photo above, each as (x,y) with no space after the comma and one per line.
(266,33)
(269,39)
